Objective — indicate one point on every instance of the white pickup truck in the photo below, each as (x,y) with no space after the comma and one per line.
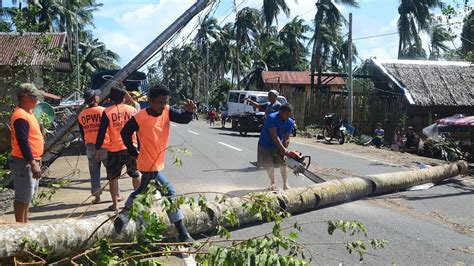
(244,116)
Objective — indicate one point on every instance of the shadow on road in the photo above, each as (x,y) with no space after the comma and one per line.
(64,215)
(238,135)
(237,170)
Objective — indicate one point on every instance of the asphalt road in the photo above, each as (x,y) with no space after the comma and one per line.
(430,227)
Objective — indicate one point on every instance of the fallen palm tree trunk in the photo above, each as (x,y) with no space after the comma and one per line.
(66,237)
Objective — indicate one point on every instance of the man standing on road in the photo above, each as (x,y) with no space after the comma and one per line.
(27,148)
(89,121)
(152,126)
(112,121)
(273,105)
(273,144)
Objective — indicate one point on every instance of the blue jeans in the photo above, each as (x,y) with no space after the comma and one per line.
(94,167)
(162,182)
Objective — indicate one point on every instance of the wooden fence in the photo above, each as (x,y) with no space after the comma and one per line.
(369,109)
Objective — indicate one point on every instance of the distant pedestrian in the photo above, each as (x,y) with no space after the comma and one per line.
(89,121)
(27,149)
(212,117)
(273,144)
(412,140)
(379,134)
(112,121)
(223,118)
(398,139)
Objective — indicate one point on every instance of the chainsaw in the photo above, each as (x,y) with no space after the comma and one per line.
(300,163)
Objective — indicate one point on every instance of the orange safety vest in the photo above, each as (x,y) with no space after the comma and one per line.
(89,119)
(118,116)
(153,133)
(35,136)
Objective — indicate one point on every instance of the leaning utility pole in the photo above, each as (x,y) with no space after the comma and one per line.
(77,55)
(207,74)
(56,144)
(138,60)
(350,94)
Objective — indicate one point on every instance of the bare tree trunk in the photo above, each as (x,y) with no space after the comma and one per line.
(69,236)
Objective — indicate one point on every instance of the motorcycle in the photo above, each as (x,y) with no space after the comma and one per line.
(333,129)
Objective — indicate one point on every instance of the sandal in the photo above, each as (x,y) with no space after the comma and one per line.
(95,201)
(120,199)
(112,209)
(286,188)
(272,188)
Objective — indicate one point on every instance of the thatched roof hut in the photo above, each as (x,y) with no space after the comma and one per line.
(427,83)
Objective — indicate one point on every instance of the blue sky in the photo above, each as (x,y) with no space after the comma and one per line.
(127,27)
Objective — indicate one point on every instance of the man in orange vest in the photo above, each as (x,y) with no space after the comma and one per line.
(89,120)
(112,121)
(152,126)
(27,149)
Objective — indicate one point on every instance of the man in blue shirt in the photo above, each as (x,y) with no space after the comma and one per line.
(273,105)
(273,144)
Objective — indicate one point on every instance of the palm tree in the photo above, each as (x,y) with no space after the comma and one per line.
(94,57)
(467,35)
(328,20)
(415,16)
(247,23)
(340,54)
(439,35)
(272,8)
(292,36)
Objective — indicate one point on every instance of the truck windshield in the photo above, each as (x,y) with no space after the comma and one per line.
(264,99)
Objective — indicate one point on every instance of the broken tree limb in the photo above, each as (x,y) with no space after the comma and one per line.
(69,236)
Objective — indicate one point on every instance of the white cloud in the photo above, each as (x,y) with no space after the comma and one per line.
(133,29)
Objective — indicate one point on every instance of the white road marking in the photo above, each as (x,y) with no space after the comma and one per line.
(192,132)
(353,155)
(229,146)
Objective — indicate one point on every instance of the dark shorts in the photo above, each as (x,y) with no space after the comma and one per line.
(269,157)
(116,161)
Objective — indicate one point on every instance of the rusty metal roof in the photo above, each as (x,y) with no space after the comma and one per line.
(298,78)
(31,49)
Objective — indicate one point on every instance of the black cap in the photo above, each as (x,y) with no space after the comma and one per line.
(89,95)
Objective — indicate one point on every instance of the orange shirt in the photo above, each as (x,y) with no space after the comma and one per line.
(89,119)
(35,136)
(153,133)
(118,116)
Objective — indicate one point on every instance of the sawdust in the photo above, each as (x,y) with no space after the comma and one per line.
(395,203)
(467,250)
(460,228)
(384,155)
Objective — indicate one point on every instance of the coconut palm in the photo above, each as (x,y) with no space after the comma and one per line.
(467,35)
(439,35)
(414,17)
(292,36)
(271,9)
(247,23)
(94,57)
(328,20)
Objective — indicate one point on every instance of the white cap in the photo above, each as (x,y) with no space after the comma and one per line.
(274,92)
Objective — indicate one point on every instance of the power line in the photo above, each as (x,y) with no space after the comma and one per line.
(393,33)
